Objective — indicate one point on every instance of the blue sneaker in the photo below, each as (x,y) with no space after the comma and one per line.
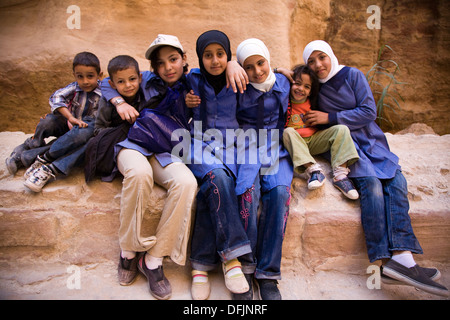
(347,188)
(316,180)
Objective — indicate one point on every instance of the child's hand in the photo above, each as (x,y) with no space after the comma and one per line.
(192,100)
(72,121)
(315,117)
(236,77)
(287,73)
(127,112)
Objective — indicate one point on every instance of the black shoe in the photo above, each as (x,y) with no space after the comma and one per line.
(431,273)
(268,289)
(13,164)
(246,295)
(159,285)
(414,276)
(127,270)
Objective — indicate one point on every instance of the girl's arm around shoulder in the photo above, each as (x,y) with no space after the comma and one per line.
(237,78)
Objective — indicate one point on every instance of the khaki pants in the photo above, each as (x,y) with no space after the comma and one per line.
(336,139)
(172,233)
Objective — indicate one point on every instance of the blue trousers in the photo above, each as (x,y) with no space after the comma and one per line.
(218,234)
(66,152)
(384,215)
(266,234)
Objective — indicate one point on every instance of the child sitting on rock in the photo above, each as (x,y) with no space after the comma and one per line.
(303,141)
(110,128)
(72,121)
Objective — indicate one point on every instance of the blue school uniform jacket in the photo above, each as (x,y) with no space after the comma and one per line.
(264,112)
(149,91)
(210,122)
(348,100)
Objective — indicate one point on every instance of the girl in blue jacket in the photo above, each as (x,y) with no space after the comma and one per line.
(346,98)
(218,234)
(266,171)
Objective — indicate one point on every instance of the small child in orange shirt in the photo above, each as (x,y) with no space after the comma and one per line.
(303,141)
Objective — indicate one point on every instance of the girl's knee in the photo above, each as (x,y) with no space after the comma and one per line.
(185,180)
(138,174)
(280,194)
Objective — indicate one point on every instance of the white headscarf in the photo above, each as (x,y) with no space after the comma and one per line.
(320,45)
(255,47)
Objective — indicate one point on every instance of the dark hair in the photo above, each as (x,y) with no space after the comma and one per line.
(304,69)
(154,58)
(122,62)
(86,59)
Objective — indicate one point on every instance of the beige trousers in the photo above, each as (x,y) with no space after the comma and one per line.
(172,233)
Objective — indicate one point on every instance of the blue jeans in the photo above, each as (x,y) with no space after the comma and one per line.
(218,233)
(384,216)
(68,150)
(51,125)
(266,234)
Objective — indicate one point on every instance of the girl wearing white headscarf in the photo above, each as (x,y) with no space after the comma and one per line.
(263,107)
(319,45)
(252,47)
(345,98)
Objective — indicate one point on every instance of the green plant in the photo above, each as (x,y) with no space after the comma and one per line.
(383,82)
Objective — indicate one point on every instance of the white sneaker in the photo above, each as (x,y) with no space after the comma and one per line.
(36,165)
(39,178)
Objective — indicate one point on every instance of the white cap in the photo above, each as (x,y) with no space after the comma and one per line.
(163,40)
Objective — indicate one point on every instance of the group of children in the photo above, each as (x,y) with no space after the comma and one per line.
(241,210)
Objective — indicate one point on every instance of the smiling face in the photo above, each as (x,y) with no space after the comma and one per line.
(126,82)
(301,88)
(214,59)
(86,77)
(257,68)
(169,64)
(320,63)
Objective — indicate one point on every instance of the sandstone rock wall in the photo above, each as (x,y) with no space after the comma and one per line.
(37,45)
(77,223)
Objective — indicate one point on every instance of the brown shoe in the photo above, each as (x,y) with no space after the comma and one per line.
(159,285)
(127,270)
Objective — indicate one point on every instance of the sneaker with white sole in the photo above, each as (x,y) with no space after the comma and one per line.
(39,178)
(316,180)
(346,187)
(36,165)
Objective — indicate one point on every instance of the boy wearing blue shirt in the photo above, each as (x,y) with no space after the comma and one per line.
(73,110)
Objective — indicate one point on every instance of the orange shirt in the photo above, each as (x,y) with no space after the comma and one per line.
(296,111)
